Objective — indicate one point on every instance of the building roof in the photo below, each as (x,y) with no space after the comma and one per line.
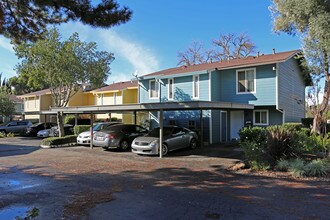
(117,86)
(36,93)
(14,98)
(227,64)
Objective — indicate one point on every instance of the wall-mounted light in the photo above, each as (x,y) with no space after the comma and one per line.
(274,68)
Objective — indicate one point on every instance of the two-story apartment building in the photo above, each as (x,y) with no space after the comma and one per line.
(41,101)
(274,84)
(119,93)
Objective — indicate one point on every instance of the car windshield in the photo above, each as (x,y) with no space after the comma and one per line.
(98,127)
(167,131)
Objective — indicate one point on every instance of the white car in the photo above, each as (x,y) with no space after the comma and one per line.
(43,133)
(85,137)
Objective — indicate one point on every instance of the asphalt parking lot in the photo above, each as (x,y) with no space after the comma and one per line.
(83,183)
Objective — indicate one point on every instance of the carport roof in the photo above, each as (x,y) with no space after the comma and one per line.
(193,105)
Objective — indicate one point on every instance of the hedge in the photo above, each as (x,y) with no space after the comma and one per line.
(80,128)
(70,119)
(54,141)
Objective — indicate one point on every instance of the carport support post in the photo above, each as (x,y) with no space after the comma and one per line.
(76,119)
(91,129)
(135,117)
(160,133)
(201,127)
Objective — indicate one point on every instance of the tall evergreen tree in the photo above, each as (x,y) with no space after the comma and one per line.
(27,20)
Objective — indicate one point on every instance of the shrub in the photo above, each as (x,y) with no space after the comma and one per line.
(292,126)
(297,167)
(10,135)
(255,134)
(53,141)
(80,128)
(2,135)
(278,143)
(70,119)
(259,165)
(317,168)
(283,165)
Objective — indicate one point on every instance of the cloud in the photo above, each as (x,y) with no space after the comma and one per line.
(5,43)
(130,55)
(139,57)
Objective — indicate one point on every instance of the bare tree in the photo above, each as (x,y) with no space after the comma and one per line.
(228,46)
(232,46)
(195,54)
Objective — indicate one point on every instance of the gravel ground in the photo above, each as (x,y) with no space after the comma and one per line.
(83,183)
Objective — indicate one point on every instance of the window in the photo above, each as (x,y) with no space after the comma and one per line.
(153,89)
(260,117)
(196,86)
(246,80)
(170,89)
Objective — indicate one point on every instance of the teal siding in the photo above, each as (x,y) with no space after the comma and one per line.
(224,87)
(291,91)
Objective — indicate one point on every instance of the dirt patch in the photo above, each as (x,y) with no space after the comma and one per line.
(85,200)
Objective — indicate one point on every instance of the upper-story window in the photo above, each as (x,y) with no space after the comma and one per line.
(170,89)
(246,80)
(195,86)
(153,89)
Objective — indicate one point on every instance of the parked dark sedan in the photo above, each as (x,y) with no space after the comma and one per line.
(35,128)
(118,136)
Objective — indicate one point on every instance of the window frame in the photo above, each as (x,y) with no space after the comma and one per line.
(260,111)
(198,85)
(156,89)
(168,88)
(254,81)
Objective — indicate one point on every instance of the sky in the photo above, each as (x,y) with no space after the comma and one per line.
(150,41)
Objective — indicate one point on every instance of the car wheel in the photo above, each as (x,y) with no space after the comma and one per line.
(164,149)
(124,145)
(193,143)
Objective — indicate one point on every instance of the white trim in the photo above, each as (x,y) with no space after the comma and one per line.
(115,98)
(168,88)
(210,91)
(261,110)
(198,90)
(102,99)
(157,89)
(254,81)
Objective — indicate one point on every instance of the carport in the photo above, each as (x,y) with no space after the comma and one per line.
(161,107)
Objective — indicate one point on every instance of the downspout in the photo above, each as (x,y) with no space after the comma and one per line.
(277,104)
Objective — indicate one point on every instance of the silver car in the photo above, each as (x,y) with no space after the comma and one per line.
(85,137)
(174,138)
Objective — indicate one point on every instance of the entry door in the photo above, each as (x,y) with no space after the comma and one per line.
(236,123)
(223,126)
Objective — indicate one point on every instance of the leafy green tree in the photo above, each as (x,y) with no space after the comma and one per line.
(7,106)
(62,66)
(311,20)
(27,20)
